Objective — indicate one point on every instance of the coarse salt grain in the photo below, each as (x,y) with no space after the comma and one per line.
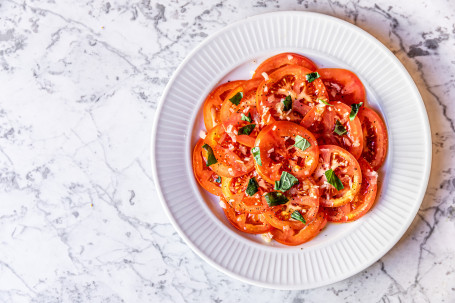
(202,134)
(266,77)
(290,57)
(222,204)
(267,237)
(231,172)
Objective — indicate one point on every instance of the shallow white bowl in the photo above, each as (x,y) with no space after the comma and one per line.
(340,250)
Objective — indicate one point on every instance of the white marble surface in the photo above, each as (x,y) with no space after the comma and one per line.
(79,215)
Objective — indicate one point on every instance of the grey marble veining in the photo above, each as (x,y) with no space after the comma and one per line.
(80,220)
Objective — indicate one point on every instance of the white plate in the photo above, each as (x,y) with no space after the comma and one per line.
(340,250)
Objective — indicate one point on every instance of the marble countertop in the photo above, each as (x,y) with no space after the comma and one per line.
(80,219)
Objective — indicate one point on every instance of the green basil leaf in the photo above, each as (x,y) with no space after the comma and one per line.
(354,110)
(339,128)
(286,182)
(245,118)
(218,180)
(333,179)
(247,129)
(296,215)
(301,143)
(252,187)
(236,99)
(257,155)
(211,156)
(324,102)
(312,76)
(275,198)
(287,103)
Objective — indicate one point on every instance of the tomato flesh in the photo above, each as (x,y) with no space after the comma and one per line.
(342,85)
(212,104)
(207,178)
(321,121)
(278,153)
(345,167)
(289,81)
(249,223)
(375,140)
(297,237)
(364,200)
(272,64)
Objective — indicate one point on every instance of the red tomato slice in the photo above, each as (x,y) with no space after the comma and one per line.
(234,159)
(204,175)
(375,140)
(249,223)
(345,167)
(362,202)
(296,237)
(288,81)
(321,121)
(234,192)
(304,198)
(278,153)
(342,85)
(247,104)
(212,103)
(272,64)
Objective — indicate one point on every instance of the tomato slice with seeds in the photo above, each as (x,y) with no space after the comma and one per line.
(213,102)
(272,64)
(342,85)
(233,190)
(321,121)
(207,178)
(287,81)
(375,140)
(345,167)
(364,200)
(234,159)
(296,237)
(234,125)
(278,153)
(304,198)
(247,104)
(246,222)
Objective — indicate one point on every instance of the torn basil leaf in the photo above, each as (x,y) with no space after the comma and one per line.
(296,215)
(287,181)
(236,99)
(245,118)
(257,155)
(354,110)
(301,143)
(247,129)
(312,76)
(333,179)
(324,102)
(252,187)
(339,128)
(275,198)
(210,155)
(287,103)
(218,180)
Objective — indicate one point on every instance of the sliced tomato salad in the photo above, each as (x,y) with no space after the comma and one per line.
(291,149)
